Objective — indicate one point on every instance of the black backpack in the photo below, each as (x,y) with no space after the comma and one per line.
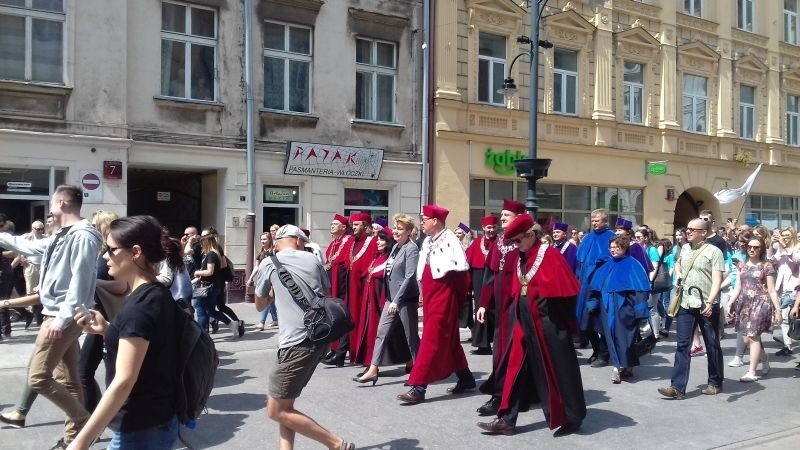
(197,364)
(227,271)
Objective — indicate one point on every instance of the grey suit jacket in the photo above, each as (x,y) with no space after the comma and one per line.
(402,279)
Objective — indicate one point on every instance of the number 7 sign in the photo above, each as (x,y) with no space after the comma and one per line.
(112,170)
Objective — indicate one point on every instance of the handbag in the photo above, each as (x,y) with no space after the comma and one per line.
(201,289)
(662,282)
(794,329)
(326,319)
(677,299)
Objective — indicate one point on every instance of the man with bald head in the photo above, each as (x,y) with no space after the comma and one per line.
(700,271)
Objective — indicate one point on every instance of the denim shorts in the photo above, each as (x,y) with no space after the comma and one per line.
(161,437)
(293,369)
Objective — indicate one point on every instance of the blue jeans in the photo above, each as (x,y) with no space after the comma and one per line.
(206,308)
(685,322)
(160,437)
(663,306)
(271,310)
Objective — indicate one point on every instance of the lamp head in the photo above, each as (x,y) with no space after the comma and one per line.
(509,88)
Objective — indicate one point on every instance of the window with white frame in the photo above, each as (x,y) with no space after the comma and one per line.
(695,104)
(374,202)
(188,51)
(790,21)
(32,40)
(747,111)
(491,68)
(633,89)
(793,120)
(376,80)
(745,15)
(287,67)
(565,82)
(693,7)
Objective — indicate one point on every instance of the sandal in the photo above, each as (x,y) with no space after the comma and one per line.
(347,445)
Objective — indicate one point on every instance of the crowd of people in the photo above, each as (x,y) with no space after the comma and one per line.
(529,295)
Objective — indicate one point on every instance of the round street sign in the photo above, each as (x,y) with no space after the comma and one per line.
(90,181)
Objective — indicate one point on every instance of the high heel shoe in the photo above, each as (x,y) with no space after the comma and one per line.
(373,379)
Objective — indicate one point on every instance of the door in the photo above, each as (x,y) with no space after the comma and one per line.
(39,209)
(280,215)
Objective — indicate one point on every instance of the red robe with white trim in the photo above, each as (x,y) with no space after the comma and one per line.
(361,254)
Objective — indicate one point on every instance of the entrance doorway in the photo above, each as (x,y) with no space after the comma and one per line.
(690,203)
(23,212)
(173,197)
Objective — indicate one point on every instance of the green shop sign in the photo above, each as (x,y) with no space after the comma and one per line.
(503,162)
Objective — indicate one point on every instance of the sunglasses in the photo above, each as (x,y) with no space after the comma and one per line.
(753,247)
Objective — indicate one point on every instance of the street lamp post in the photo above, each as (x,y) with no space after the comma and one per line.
(530,168)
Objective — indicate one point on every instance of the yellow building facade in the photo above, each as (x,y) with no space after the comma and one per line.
(707,89)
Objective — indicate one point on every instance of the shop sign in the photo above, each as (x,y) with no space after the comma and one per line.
(503,162)
(19,186)
(303,158)
(278,194)
(163,196)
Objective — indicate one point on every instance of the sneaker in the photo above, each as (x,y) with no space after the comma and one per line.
(273,324)
(749,377)
(785,351)
(696,351)
(234,327)
(240,328)
(736,362)
(259,326)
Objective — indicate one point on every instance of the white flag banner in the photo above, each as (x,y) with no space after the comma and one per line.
(731,195)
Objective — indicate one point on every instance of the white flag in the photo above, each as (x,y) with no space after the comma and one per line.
(730,195)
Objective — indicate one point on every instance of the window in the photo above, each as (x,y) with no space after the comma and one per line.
(491,68)
(188,51)
(287,67)
(633,88)
(745,15)
(790,21)
(376,79)
(374,202)
(557,202)
(32,40)
(747,111)
(772,211)
(693,7)
(565,82)
(793,120)
(695,103)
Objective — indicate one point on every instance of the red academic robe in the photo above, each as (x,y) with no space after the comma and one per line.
(440,352)
(541,364)
(337,255)
(361,254)
(371,306)
(496,291)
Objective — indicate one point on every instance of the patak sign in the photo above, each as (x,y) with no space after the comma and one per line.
(304,158)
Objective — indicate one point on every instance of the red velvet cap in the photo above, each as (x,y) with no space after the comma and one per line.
(521,224)
(490,220)
(388,231)
(361,217)
(514,207)
(342,219)
(435,212)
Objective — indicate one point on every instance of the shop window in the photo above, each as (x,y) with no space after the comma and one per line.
(633,89)
(565,82)
(188,51)
(695,104)
(793,120)
(374,202)
(376,80)
(747,111)
(772,211)
(491,68)
(32,40)
(287,67)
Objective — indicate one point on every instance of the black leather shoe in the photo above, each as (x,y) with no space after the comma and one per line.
(13,423)
(599,362)
(481,351)
(462,386)
(497,426)
(330,354)
(568,428)
(337,360)
(412,397)
(490,407)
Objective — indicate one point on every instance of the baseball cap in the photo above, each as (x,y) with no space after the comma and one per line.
(290,231)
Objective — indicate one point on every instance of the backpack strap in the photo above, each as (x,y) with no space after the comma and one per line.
(288,282)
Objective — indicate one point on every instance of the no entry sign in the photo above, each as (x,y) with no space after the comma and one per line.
(92,186)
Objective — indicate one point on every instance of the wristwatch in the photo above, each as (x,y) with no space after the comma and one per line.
(6,303)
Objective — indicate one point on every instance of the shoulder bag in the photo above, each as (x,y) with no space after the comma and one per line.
(662,282)
(794,329)
(325,319)
(677,299)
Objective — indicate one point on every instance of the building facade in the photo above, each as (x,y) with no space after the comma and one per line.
(646,108)
(143,103)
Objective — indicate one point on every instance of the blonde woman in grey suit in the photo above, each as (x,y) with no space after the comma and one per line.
(397,340)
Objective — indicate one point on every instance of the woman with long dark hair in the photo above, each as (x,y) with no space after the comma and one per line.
(210,275)
(267,249)
(142,341)
(222,299)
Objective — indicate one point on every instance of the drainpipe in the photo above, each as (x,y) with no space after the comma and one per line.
(251,157)
(426,101)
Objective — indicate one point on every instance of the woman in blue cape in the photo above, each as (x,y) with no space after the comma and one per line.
(623,288)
